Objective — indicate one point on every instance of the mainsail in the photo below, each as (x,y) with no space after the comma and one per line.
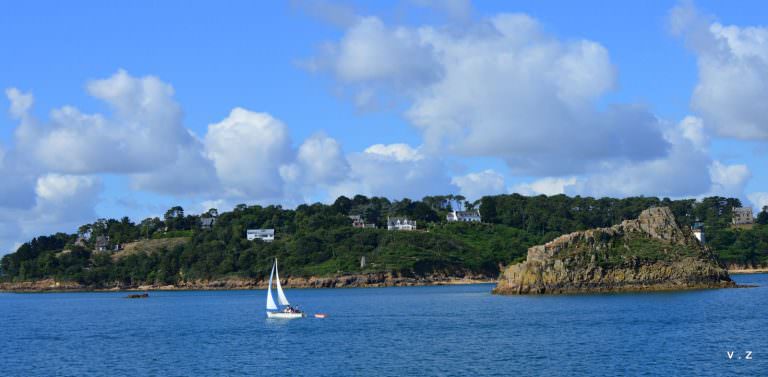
(280,294)
(270,301)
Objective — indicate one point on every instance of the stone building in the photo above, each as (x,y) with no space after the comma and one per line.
(742,216)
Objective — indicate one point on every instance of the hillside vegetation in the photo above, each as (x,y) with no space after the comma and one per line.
(318,239)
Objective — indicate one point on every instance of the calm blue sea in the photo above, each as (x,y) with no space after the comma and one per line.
(447,331)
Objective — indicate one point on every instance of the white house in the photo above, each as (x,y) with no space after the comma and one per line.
(266,235)
(699,234)
(698,231)
(206,223)
(464,216)
(400,223)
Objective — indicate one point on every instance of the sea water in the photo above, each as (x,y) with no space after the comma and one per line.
(409,331)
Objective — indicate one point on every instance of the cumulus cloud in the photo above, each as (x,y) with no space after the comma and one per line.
(395,171)
(758,200)
(20,102)
(144,136)
(399,152)
(247,149)
(545,186)
(372,52)
(728,180)
(502,88)
(688,170)
(17,183)
(733,73)
(319,160)
(476,185)
(192,173)
(145,122)
(62,203)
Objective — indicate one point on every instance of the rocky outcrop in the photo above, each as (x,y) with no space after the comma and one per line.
(647,254)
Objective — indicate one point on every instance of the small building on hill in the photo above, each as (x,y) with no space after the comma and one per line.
(266,235)
(101,243)
(206,223)
(359,222)
(400,223)
(742,216)
(698,231)
(472,216)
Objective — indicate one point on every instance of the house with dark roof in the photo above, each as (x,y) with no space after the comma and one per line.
(102,243)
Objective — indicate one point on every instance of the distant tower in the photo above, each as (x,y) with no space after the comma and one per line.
(362,261)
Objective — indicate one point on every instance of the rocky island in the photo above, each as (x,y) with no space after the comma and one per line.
(650,253)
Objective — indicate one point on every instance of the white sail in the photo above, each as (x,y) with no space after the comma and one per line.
(270,301)
(280,294)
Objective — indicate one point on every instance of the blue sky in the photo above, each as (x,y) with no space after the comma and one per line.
(289,102)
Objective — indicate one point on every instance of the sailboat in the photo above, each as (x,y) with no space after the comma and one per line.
(273,311)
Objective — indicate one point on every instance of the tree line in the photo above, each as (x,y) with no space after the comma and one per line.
(317,239)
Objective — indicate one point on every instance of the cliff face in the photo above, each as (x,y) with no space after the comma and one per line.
(650,253)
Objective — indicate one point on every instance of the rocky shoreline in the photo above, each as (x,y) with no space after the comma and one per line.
(344,281)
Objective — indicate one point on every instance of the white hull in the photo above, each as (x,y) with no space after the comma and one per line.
(282,315)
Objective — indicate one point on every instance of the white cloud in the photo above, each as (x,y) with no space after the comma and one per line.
(57,188)
(545,186)
(372,52)
(62,203)
(728,180)
(685,171)
(692,129)
(144,137)
(321,160)
(247,149)
(399,152)
(733,73)
(20,102)
(395,171)
(476,185)
(191,174)
(17,184)
(500,87)
(758,200)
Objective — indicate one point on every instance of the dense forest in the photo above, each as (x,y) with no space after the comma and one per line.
(319,240)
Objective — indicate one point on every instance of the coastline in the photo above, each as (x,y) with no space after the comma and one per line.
(749,271)
(345,281)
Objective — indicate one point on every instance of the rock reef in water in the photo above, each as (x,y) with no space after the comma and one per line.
(651,253)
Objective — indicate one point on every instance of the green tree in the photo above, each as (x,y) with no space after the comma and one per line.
(762,217)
